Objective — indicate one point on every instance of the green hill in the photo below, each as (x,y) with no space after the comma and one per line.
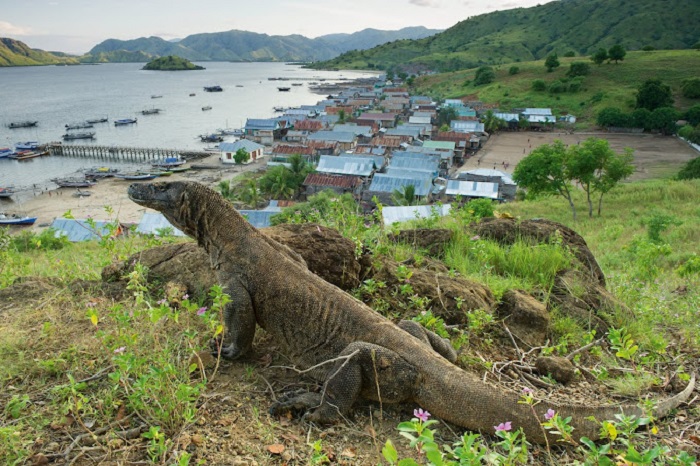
(171,63)
(607,85)
(17,53)
(524,34)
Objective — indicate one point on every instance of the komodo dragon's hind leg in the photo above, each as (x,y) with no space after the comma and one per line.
(362,369)
(439,344)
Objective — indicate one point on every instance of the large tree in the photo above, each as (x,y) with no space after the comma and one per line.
(600,56)
(617,53)
(654,94)
(551,62)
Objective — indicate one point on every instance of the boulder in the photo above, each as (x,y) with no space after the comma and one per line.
(433,240)
(558,368)
(526,317)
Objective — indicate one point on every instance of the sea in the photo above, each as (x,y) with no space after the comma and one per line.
(59,95)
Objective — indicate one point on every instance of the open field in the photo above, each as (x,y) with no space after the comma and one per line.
(654,156)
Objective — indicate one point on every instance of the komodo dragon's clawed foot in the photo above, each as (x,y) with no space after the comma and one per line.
(297,403)
(229,352)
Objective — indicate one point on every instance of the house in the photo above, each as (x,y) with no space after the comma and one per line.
(341,184)
(454,103)
(384,120)
(414,132)
(471,189)
(539,117)
(512,119)
(464,126)
(506,185)
(383,186)
(76,230)
(420,120)
(263,131)
(447,151)
(155,223)
(363,133)
(228,150)
(262,218)
(309,125)
(399,214)
(345,140)
(465,143)
(358,166)
(416,162)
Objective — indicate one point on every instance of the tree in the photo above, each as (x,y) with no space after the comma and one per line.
(613,116)
(617,53)
(551,62)
(691,88)
(492,123)
(446,115)
(600,56)
(693,115)
(654,94)
(278,183)
(578,68)
(513,70)
(406,196)
(225,189)
(544,172)
(341,116)
(690,171)
(241,156)
(484,75)
(664,119)
(641,118)
(250,192)
(539,85)
(299,168)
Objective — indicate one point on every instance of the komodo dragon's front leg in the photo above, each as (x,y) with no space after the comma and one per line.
(362,369)
(239,320)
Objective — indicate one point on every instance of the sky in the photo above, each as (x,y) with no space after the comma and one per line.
(75,26)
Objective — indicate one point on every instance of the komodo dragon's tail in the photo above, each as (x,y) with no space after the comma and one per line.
(462,398)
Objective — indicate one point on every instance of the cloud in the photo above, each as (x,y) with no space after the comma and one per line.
(9,29)
(430,3)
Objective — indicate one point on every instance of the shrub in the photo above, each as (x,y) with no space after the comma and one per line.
(539,85)
(513,70)
(557,87)
(570,54)
(690,171)
(691,88)
(46,240)
(484,75)
(578,68)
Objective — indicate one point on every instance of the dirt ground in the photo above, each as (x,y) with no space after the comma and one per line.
(654,155)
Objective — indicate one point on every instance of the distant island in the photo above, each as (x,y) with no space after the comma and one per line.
(171,63)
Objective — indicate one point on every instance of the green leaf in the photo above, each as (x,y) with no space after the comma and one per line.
(389,452)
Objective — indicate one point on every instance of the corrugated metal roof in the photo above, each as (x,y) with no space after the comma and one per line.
(419,120)
(357,130)
(467,126)
(541,118)
(385,183)
(428,163)
(537,111)
(414,132)
(338,136)
(472,189)
(407,172)
(246,144)
(394,214)
(336,181)
(492,173)
(442,145)
(152,222)
(79,230)
(415,152)
(342,165)
(258,123)
(507,116)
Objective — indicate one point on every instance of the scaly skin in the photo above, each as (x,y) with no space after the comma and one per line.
(316,322)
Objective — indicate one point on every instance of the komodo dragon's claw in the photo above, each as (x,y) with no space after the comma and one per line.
(296,404)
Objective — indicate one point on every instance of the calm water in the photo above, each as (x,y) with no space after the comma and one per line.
(58,95)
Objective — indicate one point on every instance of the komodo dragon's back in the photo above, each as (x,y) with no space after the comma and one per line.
(358,352)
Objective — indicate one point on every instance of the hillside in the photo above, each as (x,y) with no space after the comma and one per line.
(17,53)
(607,85)
(237,45)
(171,63)
(523,34)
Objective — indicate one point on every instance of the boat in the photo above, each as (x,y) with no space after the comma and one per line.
(22,124)
(192,94)
(239,85)
(92,121)
(124,121)
(28,154)
(81,125)
(73,182)
(28,145)
(6,152)
(161,172)
(85,135)
(6,192)
(100,172)
(283,89)
(79,193)
(230,132)
(156,96)
(150,111)
(15,220)
(297,84)
(213,89)
(212,149)
(168,162)
(210,138)
(279,109)
(179,169)
(206,107)
(135,176)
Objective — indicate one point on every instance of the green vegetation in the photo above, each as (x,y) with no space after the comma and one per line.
(527,34)
(17,53)
(171,63)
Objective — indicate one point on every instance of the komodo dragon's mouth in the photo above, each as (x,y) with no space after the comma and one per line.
(149,195)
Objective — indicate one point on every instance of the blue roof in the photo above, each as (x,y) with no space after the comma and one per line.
(257,123)
(246,144)
(407,172)
(80,230)
(384,183)
(261,218)
(332,136)
(343,165)
(154,222)
(427,164)
(393,214)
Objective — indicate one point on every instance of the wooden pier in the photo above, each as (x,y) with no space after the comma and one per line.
(126,154)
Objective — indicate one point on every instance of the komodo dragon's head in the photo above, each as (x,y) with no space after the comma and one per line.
(179,201)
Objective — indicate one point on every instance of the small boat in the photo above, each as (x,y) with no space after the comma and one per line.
(135,176)
(100,172)
(212,149)
(156,96)
(79,193)
(297,84)
(82,125)
(213,89)
(279,109)
(6,152)
(22,124)
(192,94)
(206,107)
(283,89)
(92,121)
(124,121)
(73,182)
(15,220)
(210,138)
(6,192)
(28,145)
(168,162)
(28,154)
(239,85)
(72,136)
(162,172)
(230,132)
(179,169)
(150,111)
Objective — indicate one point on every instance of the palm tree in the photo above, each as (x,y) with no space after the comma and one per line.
(250,192)
(225,189)
(406,196)
(492,123)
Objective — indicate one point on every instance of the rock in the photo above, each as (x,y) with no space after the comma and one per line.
(560,369)
(204,360)
(39,459)
(434,240)
(526,318)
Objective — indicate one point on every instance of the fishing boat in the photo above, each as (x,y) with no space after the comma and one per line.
(192,94)
(6,192)
(211,138)
(206,107)
(124,121)
(6,152)
(135,176)
(28,145)
(100,172)
(73,182)
(81,194)
(92,121)
(72,136)
(179,169)
(161,172)
(16,220)
(230,132)
(28,154)
(156,96)
(22,124)
(81,125)
(150,111)
(283,89)
(168,162)
(213,89)
(297,84)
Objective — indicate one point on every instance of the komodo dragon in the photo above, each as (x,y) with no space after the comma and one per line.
(316,322)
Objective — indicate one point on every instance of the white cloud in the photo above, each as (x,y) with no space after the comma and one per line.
(9,29)
(430,3)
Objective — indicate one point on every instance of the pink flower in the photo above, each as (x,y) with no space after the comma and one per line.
(420,414)
(528,391)
(162,301)
(549,414)
(201,311)
(186,296)
(120,350)
(504,426)
(91,304)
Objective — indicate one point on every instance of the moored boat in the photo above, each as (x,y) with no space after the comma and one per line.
(156,96)
(284,89)
(92,121)
(210,138)
(16,220)
(213,88)
(6,152)
(27,145)
(22,124)
(79,193)
(168,162)
(81,125)
(230,132)
(100,172)
(124,121)
(135,176)
(206,107)
(85,135)
(28,154)
(6,192)
(73,182)
(150,111)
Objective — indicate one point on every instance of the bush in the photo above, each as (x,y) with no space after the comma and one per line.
(691,88)
(690,170)
(557,87)
(578,68)
(513,70)
(539,85)
(570,54)
(47,240)
(484,75)
(692,116)
(575,84)
(612,116)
